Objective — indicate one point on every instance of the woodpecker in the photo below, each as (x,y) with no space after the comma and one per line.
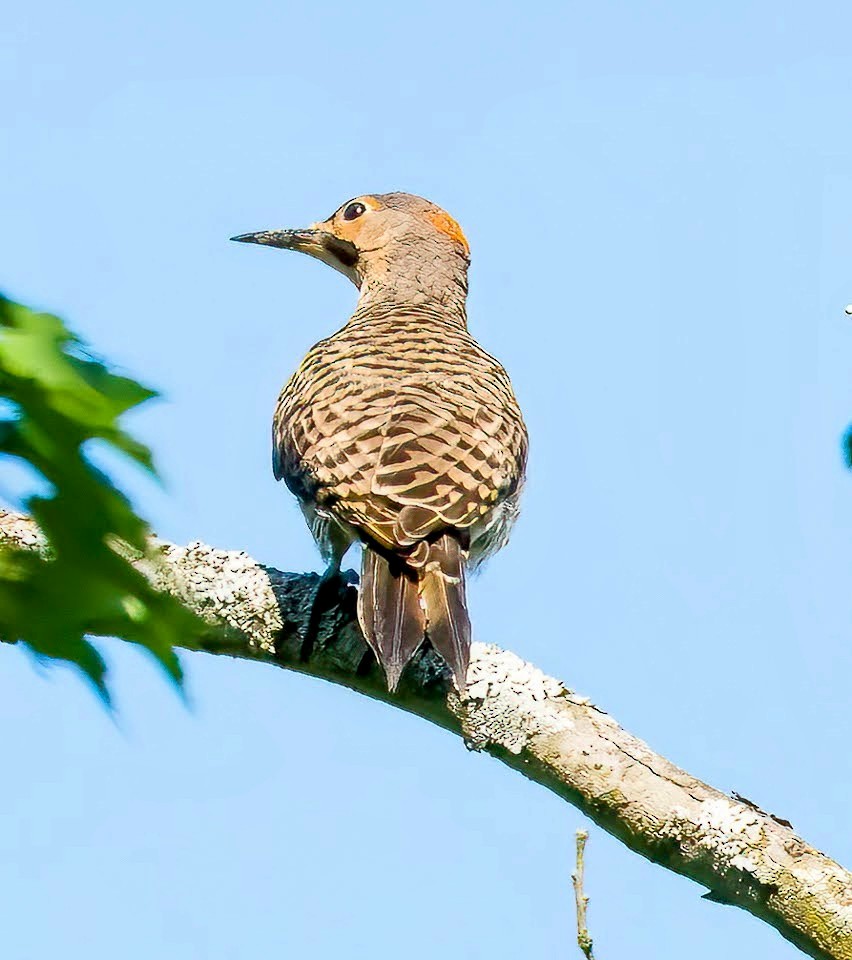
(399,431)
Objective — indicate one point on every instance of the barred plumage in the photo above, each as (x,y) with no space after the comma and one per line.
(401,432)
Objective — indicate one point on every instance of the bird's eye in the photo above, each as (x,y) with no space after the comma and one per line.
(353,211)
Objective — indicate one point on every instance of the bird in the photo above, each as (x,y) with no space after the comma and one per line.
(399,432)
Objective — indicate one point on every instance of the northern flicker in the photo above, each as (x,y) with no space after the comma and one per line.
(400,431)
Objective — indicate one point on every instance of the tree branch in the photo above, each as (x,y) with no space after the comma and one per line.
(581,901)
(531,722)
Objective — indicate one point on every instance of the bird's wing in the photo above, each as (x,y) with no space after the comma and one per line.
(447,457)
(401,459)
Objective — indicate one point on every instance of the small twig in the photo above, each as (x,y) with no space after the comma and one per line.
(583,939)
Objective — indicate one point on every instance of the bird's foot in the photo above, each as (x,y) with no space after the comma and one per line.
(327,595)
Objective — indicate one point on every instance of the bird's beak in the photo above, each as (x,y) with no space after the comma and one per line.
(316,242)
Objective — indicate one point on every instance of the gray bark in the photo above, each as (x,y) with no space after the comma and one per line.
(533,723)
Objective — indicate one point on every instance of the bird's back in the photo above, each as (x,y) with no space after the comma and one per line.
(406,426)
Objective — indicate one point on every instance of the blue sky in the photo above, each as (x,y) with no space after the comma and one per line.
(659,202)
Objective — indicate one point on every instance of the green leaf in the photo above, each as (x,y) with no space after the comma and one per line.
(59,398)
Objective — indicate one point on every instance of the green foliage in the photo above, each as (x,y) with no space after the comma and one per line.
(56,400)
(846,446)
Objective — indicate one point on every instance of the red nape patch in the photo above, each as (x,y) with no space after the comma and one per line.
(445,223)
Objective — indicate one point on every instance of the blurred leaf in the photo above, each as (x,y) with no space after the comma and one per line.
(59,398)
(846,446)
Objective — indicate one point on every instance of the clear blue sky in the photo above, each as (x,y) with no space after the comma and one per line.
(659,201)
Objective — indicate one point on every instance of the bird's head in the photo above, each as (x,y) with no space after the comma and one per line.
(380,239)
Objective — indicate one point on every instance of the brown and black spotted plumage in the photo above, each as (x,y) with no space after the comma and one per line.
(400,431)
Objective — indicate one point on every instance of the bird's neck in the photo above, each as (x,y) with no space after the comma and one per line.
(436,286)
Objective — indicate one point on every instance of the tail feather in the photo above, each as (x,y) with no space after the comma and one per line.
(400,605)
(390,614)
(442,590)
